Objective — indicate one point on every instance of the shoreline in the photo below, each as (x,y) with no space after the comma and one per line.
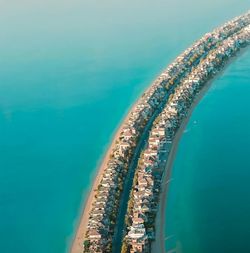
(76,243)
(158,246)
(78,239)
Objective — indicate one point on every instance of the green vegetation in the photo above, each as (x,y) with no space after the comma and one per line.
(124,247)
(86,245)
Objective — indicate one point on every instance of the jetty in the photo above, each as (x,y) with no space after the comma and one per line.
(122,208)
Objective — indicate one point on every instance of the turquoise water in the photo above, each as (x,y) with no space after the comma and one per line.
(208,201)
(69,71)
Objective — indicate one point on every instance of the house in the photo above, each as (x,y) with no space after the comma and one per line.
(149,153)
(142,181)
(153,142)
(161,132)
(123,146)
(137,231)
(137,220)
(140,245)
(94,234)
(149,162)
(127,135)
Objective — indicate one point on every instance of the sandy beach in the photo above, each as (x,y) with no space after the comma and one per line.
(158,246)
(77,243)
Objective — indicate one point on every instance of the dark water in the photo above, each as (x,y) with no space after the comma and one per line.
(69,71)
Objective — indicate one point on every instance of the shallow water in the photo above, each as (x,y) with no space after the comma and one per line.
(69,71)
(208,202)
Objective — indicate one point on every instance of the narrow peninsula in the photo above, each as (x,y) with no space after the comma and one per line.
(122,212)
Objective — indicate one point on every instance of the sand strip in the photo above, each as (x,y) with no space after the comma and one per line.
(77,244)
(158,246)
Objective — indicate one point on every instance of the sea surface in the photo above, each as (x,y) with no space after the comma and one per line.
(69,72)
(208,203)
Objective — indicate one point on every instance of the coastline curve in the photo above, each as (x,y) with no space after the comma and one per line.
(98,220)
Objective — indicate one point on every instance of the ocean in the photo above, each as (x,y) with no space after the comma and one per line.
(208,200)
(69,72)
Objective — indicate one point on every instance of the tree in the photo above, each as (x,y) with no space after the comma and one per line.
(124,248)
(86,244)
